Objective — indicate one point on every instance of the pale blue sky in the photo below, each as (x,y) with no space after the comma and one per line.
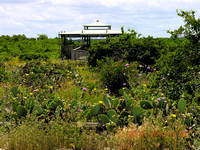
(148,17)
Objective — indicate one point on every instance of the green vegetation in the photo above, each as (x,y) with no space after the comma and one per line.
(28,48)
(132,93)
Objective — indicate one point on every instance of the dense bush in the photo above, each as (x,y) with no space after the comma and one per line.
(3,73)
(115,74)
(129,47)
(28,48)
(30,56)
(180,67)
(180,71)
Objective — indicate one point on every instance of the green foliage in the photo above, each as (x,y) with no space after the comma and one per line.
(127,47)
(111,126)
(107,102)
(15,91)
(42,37)
(145,105)
(191,29)
(21,111)
(115,74)
(103,118)
(137,114)
(3,73)
(28,48)
(37,110)
(180,67)
(182,105)
(95,110)
(56,91)
(112,114)
(60,92)
(30,56)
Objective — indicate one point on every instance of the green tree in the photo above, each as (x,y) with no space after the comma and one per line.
(180,66)
(191,29)
(42,37)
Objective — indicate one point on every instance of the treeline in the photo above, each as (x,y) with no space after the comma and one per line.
(28,48)
(173,59)
(176,60)
(130,47)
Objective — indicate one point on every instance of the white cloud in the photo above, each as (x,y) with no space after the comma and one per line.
(62,2)
(50,16)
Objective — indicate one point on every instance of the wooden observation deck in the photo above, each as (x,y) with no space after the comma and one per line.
(96,29)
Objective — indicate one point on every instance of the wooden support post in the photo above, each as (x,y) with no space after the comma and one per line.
(89,41)
(62,46)
(82,40)
(59,43)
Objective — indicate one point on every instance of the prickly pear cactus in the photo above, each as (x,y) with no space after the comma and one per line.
(137,114)
(145,105)
(112,114)
(115,103)
(95,110)
(15,91)
(103,118)
(111,126)
(107,101)
(182,105)
(21,111)
(37,110)
(136,111)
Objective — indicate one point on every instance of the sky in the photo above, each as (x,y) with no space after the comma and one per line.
(146,17)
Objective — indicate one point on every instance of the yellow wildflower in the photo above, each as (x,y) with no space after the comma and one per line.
(27,74)
(123,88)
(51,87)
(144,85)
(31,93)
(106,89)
(100,102)
(95,89)
(173,115)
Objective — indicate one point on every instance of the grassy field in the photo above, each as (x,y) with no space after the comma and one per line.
(47,104)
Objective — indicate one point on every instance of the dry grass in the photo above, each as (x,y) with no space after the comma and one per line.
(150,136)
(35,135)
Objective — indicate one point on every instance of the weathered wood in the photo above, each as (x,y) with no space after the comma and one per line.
(88,124)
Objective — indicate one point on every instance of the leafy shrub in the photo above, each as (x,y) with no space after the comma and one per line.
(30,56)
(3,73)
(115,74)
(180,67)
(128,47)
(20,45)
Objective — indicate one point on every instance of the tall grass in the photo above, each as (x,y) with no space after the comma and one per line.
(37,135)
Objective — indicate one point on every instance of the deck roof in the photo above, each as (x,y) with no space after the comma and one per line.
(100,31)
(97,24)
(80,33)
